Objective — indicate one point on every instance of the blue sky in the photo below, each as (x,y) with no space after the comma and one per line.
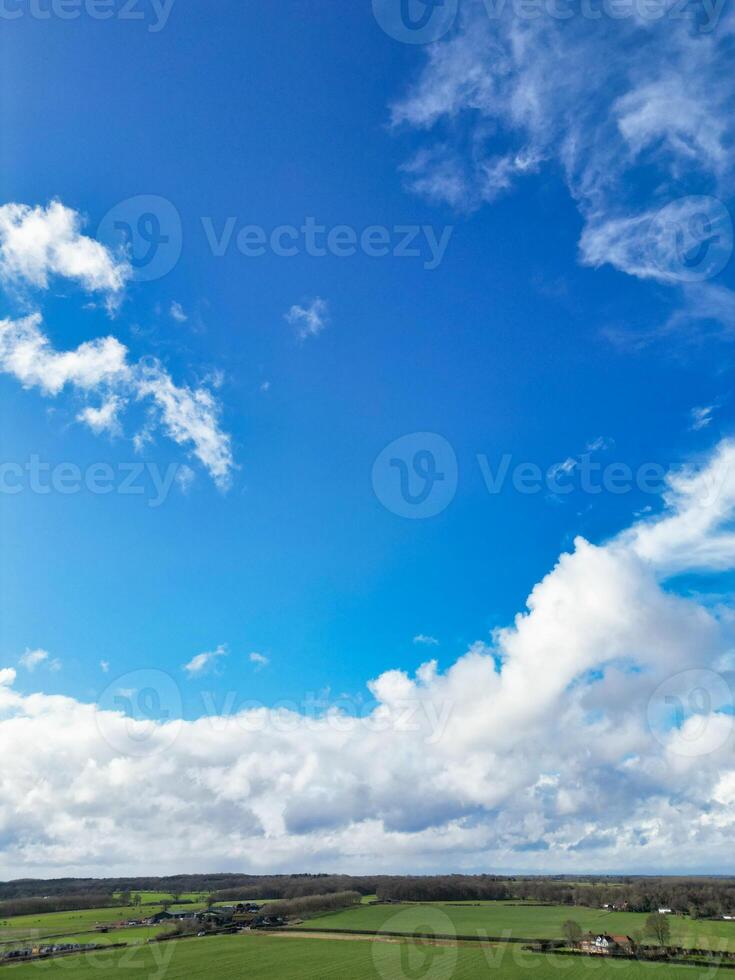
(550,328)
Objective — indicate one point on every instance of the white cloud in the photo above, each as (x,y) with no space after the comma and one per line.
(309,320)
(102,368)
(555,730)
(189,416)
(37,243)
(599,444)
(259,659)
(7,676)
(105,418)
(32,658)
(203,662)
(429,641)
(177,312)
(105,666)
(26,352)
(700,417)
(616,105)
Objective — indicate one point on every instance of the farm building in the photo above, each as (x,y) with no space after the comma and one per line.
(606,944)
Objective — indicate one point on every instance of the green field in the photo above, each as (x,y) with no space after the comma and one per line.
(525,921)
(285,958)
(73,923)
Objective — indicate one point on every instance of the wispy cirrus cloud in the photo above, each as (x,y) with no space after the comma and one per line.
(202,663)
(632,111)
(700,417)
(34,658)
(310,320)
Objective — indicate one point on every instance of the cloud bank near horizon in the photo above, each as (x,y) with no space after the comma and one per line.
(595,732)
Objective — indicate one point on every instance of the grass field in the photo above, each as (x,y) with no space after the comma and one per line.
(526,921)
(71,923)
(289,958)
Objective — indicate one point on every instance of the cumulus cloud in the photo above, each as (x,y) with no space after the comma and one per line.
(575,728)
(37,244)
(102,368)
(259,659)
(203,662)
(633,112)
(309,320)
(424,640)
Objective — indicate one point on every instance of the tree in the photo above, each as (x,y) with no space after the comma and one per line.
(211,899)
(572,932)
(657,925)
(137,900)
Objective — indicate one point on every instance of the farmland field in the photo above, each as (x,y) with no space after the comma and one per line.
(40,925)
(518,920)
(295,958)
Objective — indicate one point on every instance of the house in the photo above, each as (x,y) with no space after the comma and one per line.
(168,916)
(606,944)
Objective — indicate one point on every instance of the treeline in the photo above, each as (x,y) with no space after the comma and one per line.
(314,904)
(697,896)
(54,903)
(297,886)
(443,888)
